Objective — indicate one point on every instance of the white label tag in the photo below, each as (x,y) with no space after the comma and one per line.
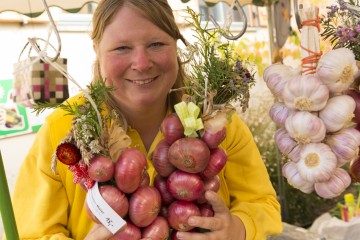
(106,215)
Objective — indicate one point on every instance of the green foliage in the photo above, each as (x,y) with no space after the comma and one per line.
(342,25)
(215,70)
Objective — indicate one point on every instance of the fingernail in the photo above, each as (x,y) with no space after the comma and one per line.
(179,235)
(191,221)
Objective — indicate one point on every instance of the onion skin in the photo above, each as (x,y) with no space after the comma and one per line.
(160,183)
(213,140)
(129,170)
(206,210)
(356,96)
(185,186)
(101,169)
(212,184)
(157,230)
(160,159)
(144,206)
(130,231)
(90,214)
(189,154)
(218,159)
(354,169)
(179,213)
(115,198)
(172,128)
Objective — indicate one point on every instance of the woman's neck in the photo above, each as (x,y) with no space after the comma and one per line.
(146,123)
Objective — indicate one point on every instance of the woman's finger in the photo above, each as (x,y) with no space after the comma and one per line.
(216,202)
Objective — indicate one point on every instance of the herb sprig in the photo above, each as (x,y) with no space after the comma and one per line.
(216,73)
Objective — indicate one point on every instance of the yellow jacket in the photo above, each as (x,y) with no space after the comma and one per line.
(51,206)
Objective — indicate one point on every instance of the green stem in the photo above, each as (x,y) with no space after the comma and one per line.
(7,213)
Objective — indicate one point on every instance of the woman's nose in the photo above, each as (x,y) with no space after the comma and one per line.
(141,60)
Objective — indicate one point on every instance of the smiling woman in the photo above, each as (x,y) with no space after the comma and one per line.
(138,81)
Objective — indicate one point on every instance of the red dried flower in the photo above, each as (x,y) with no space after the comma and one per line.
(68,153)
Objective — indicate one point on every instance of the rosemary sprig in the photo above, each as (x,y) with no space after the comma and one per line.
(215,70)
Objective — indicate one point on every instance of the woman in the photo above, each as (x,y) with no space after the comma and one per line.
(136,46)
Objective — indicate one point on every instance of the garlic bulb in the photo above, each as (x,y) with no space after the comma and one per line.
(305,93)
(305,127)
(284,142)
(276,76)
(337,183)
(290,172)
(317,162)
(338,112)
(345,144)
(336,69)
(279,113)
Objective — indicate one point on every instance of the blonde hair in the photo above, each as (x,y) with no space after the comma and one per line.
(158,12)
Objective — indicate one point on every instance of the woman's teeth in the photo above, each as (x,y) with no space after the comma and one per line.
(143,81)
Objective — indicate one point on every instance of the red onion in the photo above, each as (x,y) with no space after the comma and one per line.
(160,183)
(356,96)
(130,231)
(179,213)
(163,211)
(189,154)
(160,159)
(214,140)
(206,210)
(115,198)
(218,158)
(354,169)
(214,130)
(172,128)
(144,206)
(185,186)
(90,214)
(212,184)
(145,179)
(101,169)
(157,230)
(129,170)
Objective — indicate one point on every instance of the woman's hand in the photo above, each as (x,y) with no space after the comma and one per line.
(98,232)
(223,225)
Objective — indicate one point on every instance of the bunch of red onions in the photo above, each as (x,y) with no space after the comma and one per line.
(187,167)
(124,185)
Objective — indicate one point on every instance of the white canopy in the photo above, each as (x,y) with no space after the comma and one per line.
(34,8)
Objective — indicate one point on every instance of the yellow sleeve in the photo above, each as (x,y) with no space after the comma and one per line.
(40,202)
(252,196)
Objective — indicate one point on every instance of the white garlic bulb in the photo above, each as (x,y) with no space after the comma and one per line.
(338,112)
(305,92)
(284,142)
(345,144)
(336,69)
(290,172)
(276,76)
(317,162)
(305,127)
(279,113)
(337,183)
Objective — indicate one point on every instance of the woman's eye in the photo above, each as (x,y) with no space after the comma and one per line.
(156,44)
(122,48)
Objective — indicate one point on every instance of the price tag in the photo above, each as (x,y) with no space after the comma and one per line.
(99,207)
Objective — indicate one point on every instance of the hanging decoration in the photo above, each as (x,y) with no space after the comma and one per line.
(314,114)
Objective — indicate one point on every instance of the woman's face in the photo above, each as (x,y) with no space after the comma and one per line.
(138,59)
